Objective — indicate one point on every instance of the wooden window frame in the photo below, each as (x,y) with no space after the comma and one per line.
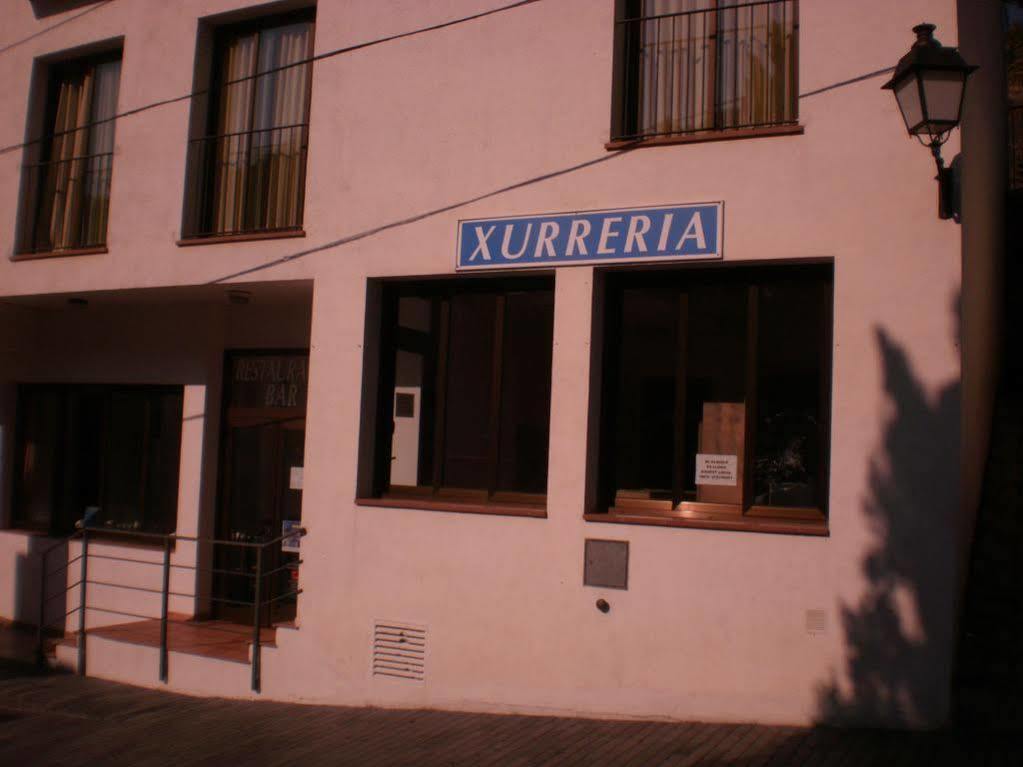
(678,512)
(437,496)
(59,524)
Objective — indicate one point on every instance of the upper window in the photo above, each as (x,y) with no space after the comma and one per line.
(105,454)
(67,180)
(246,172)
(465,391)
(692,66)
(716,394)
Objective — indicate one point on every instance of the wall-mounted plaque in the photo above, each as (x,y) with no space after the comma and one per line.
(606,564)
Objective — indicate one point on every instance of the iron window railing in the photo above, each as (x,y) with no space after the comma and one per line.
(692,66)
(247,182)
(70,201)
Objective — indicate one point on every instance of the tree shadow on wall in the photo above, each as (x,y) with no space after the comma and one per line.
(900,633)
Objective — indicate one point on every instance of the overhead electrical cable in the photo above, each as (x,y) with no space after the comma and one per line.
(274,70)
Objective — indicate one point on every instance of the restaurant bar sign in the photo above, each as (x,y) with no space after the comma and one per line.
(591,237)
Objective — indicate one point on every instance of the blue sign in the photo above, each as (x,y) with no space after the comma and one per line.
(591,237)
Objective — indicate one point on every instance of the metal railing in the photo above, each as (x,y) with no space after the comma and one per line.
(731,65)
(247,182)
(68,203)
(262,599)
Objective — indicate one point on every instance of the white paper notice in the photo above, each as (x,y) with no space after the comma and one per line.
(716,469)
(296,478)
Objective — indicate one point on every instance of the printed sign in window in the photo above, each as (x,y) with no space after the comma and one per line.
(291,543)
(714,469)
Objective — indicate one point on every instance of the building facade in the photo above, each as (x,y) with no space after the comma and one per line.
(612,355)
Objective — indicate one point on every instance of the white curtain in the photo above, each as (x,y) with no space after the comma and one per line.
(702,68)
(260,155)
(101,148)
(757,70)
(230,153)
(75,175)
(677,55)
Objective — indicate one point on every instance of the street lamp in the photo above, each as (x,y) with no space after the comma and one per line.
(929,83)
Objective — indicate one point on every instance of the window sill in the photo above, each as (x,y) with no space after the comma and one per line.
(697,138)
(30,532)
(95,251)
(284,234)
(711,521)
(429,504)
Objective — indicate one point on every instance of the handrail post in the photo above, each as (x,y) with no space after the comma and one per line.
(40,657)
(256,619)
(81,601)
(163,608)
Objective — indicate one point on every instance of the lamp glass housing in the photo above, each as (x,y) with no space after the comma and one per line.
(929,84)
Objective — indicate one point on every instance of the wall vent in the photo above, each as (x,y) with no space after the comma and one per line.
(399,650)
(816,621)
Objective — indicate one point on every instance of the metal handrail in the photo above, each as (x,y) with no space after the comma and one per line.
(83,531)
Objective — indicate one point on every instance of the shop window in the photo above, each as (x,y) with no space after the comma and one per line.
(247,159)
(66,177)
(697,66)
(105,454)
(464,388)
(716,395)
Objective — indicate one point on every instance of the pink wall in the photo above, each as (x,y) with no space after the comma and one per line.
(713,623)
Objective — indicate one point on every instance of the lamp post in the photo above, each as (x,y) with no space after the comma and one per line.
(929,83)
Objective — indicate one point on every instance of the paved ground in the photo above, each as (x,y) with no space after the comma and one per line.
(59,719)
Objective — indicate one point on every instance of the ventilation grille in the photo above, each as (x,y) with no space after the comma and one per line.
(816,621)
(399,650)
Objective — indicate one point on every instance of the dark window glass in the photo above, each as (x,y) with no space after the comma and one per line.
(468,424)
(106,454)
(790,415)
(708,373)
(646,400)
(40,418)
(469,390)
(525,391)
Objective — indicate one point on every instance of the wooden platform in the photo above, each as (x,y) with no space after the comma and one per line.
(212,639)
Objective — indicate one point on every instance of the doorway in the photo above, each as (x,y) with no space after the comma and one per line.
(261,482)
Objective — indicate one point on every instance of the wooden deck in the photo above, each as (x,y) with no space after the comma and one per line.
(213,639)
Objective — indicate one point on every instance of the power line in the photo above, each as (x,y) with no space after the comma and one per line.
(50,28)
(301,62)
